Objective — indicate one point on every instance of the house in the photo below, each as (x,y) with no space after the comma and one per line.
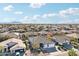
(12,45)
(61,39)
(10,34)
(48,48)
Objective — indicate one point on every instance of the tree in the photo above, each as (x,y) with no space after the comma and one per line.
(41,28)
(49,38)
(71,26)
(72,53)
(35,45)
(24,37)
(25,40)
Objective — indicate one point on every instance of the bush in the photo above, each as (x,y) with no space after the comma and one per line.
(72,53)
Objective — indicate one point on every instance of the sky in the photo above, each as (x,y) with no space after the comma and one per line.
(39,13)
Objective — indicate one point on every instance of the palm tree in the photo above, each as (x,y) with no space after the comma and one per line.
(1,49)
(25,40)
(72,53)
(74,42)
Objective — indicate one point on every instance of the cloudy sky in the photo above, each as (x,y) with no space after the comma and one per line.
(39,13)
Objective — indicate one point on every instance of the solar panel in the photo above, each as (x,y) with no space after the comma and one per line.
(67,46)
(11,44)
(48,50)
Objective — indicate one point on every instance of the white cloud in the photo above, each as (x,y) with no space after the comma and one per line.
(70,11)
(51,14)
(37,5)
(69,21)
(8,8)
(48,15)
(63,16)
(36,16)
(40,16)
(18,12)
(25,17)
(8,19)
(76,21)
(44,16)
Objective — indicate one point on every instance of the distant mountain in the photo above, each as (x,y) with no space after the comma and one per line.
(15,22)
(18,22)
